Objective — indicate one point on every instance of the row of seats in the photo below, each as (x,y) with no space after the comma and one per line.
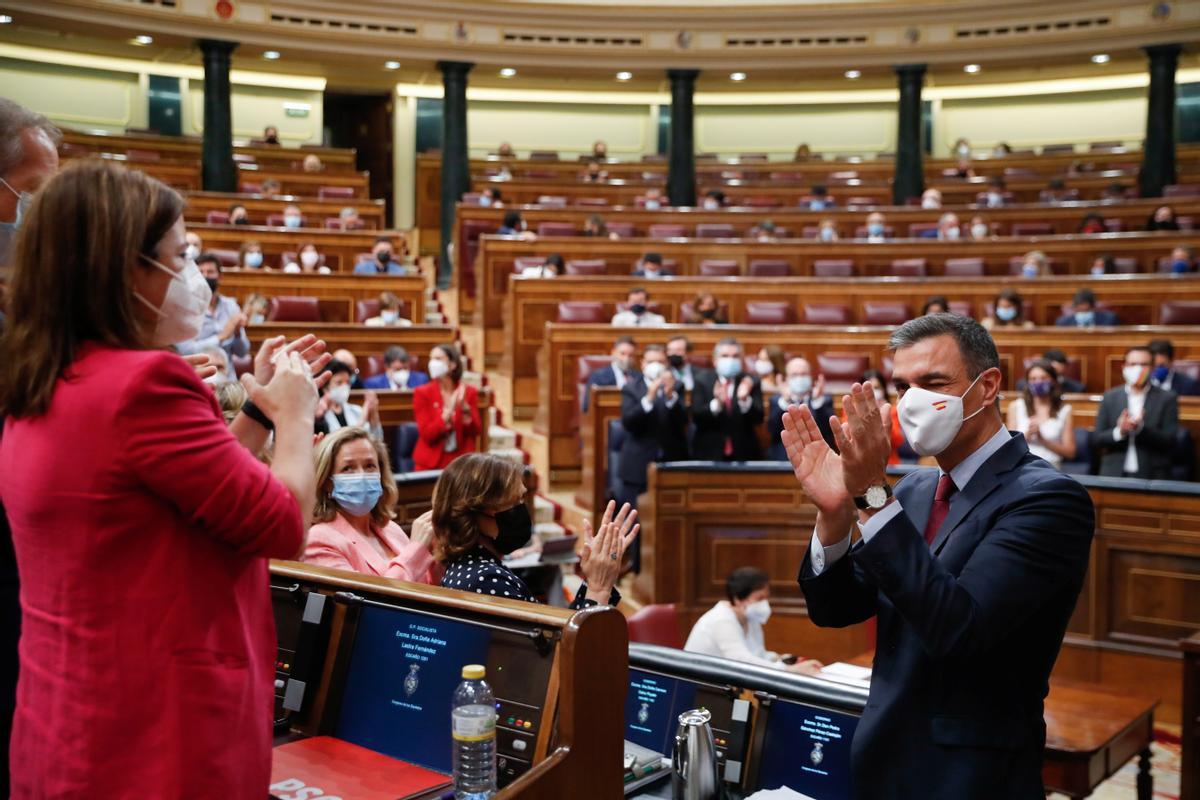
(276,221)
(298,308)
(323,192)
(881,312)
(972,267)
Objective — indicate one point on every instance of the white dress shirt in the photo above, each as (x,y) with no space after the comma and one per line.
(647,319)
(1136,403)
(720,633)
(823,557)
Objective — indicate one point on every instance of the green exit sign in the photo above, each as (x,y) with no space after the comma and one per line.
(296,109)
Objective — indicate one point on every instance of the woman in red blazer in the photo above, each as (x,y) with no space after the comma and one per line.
(141,525)
(447,412)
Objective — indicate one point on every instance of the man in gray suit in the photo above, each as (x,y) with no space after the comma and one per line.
(1136,423)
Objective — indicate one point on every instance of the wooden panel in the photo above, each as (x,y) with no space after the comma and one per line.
(1155,596)
(189,149)
(1189,785)
(259,207)
(340,286)
(341,249)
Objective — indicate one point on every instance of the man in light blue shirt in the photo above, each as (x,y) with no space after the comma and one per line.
(383,261)
(224,323)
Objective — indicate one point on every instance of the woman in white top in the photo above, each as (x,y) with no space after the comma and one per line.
(335,411)
(733,628)
(1042,416)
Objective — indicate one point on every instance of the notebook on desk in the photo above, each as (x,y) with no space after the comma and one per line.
(341,769)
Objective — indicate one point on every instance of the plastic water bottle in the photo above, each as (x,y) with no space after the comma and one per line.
(473,726)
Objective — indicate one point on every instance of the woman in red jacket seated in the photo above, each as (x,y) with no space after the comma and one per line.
(142,526)
(447,412)
(356,498)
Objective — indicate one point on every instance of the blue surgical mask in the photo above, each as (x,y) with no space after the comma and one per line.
(253,260)
(1029,270)
(291,221)
(1085,318)
(828,234)
(357,493)
(1006,313)
(653,205)
(729,367)
(1160,373)
(8,230)
(816,205)
(875,229)
(1180,265)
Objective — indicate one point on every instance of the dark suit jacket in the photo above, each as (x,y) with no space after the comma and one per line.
(968,629)
(380,381)
(1154,441)
(1103,317)
(605,376)
(1184,385)
(713,429)
(661,432)
(822,415)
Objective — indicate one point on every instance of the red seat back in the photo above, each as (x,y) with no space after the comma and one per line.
(335,192)
(769,268)
(770,312)
(964,268)
(583,311)
(656,624)
(1032,229)
(841,370)
(622,229)
(1180,312)
(885,312)
(918,229)
(826,314)
(228,258)
(217,217)
(908,267)
(714,230)
(293,309)
(586,266)
(833,268)
(667,231)
(719,268)
(366,309)
(556,229)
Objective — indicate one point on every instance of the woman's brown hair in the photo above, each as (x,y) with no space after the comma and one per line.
(471,483)
(456,362)
(73,270)
(326,508)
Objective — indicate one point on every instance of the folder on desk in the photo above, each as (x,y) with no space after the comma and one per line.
(341,769)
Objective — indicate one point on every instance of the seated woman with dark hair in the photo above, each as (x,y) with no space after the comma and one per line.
(733,627)
(354,521)
(705,310)
(1163,219)
(1008,311)
(936,304)
(479,516)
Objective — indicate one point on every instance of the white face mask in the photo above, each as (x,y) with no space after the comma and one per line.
(292,221)
(182,311)
(979,230)
(399,377)
(711,203)
(389,317)
(759,611)
(340,394)
(653,205)
(192,252)
(931,420)
(1134,375)
(952,232)
(309,259)
(800,385)
(930,202)
(653,370)
(764,367)
(438,368)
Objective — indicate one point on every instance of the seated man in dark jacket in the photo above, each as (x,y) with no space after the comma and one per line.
(799,390)
(727,409)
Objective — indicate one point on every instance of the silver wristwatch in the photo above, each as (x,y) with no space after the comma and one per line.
(874,498)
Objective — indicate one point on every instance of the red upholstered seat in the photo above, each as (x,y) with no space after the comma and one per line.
(583,311)
(472,198)
(656,624)
(762,201)
(719,268)
(885,312)
(592,201)
(246,187)
(586,266)
(228,258)
(826,314)
(1182,190)
(714,230)
(554,201)
(623,229)
(556,229)
(919,229)
(293,309)
(367,309)
(833,268)
(964,267)
(333,223)
(861,201)
(667,231)
(1032,229)
(543,155)
(335,192)
(217,218)
(841,370)
(1180,312)
(908,267)
(770,312)
(374,365)
(769,268)
(1126,266)
(521,262)
(960,307)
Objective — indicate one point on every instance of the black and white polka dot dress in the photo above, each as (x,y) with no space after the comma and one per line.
(482,573)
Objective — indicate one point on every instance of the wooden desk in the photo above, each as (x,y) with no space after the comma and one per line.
(338,292)
(303,183)
(259,207)
(550,381)
(360,339)
(188,148)
(341,249)
(1189,782)
(181,176)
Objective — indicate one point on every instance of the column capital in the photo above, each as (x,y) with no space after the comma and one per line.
(905,70)
(683,74)
(1162,51)
(217,46)
(455,67)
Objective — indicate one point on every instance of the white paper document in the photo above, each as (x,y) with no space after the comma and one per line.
(840,672)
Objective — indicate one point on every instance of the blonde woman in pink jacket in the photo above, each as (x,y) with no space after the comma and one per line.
(354,518)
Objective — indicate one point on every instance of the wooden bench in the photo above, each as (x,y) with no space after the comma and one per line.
(260,207)
(548,389)
(341,249)
(337,293)
(189,148)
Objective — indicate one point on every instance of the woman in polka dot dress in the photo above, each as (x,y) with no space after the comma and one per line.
(479,515)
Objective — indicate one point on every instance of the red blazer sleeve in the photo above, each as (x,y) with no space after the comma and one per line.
(471,425)
(179,448)
(431,427)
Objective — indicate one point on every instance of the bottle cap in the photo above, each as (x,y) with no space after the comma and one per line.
(473,672)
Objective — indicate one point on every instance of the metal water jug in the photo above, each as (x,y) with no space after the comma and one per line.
(694,758)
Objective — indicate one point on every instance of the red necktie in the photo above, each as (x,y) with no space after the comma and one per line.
(726,402)
(941,506)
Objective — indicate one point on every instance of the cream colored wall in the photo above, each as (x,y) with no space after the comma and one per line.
(569,128)
(255,107)
(777,130)
(75,97)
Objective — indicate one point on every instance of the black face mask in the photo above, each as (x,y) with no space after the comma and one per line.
(384,256)
(241,221)
(515,529)
(213,283)
(675,361)
(708,313)
(638,308)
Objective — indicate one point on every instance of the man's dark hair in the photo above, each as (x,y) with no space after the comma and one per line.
(624,339)
(638,290)
(819,189)
(208,258)
(1140,348)
(1055,355)
(744,581)
(555,260)
(383,240)
(974,342)
(395,353)
(512,219)
(687,343)
(493,191)
(1162,347)
(653,258)
(1085,295)
(336,367)
(654,347)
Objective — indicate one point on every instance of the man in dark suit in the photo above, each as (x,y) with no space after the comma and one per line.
(799,390)
(617,373)
(1058,360)
(654,417)
(1085,313)
(679,353)
(1164,375)
(1136,423)
(397,374)
(971,570)
(727,408)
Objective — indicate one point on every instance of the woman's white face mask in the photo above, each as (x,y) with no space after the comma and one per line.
(182,311)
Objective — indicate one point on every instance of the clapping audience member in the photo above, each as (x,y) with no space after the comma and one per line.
(1136,423)
(1008,311)
(769,367)
(447,412)
(733,627)
(549,268)
(348,358)
(224,324)
(505,150)
(1058,360)
(651,199)
(1001,150)
(878,385)
(594,173)
(947,229)
(764,232)
(1183,259)
(1055,192)
(651,266)
(256,309)
(654,416)
(1103,264)
(350,220)
(397,373)
(271,187)
(827,231)
(335,411)
(931,199)
(1084,313)
(490,197)
(594,226)
(619,371)
(292,216)
(383,260)
(705,310)
(876,227)
(1034,264)
(1092,223)
(979,229)
(637,311)
(962,148)
(250,255)
(1163,219)
(354,524)
(679,350)
(936,304)
(727,409)
(390,307)
(798,389)
(194,245)
(307,260)
(513,224)
(997,189)
(714,199)
(600,150)
(962,168)
(1040,413)
(1164,374)
(819,198)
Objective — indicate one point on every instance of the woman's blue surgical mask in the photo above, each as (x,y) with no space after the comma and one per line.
(1085,318)
(1160,373)
(875,229)
(1040,388)
(1006,313)
(828,234)
(1180,265)
(357,493)
(253,260)
(1029,270)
